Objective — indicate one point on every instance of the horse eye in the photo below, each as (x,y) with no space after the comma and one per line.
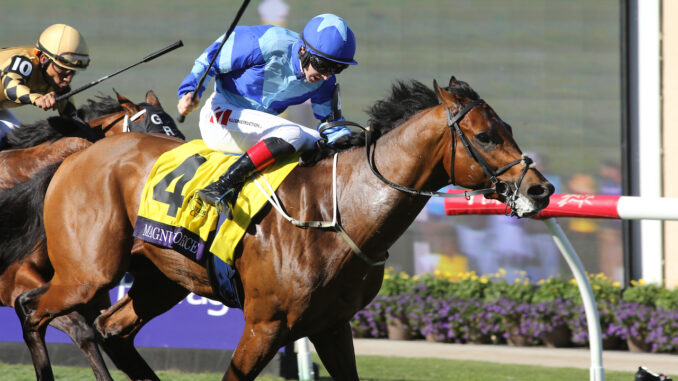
(483,137)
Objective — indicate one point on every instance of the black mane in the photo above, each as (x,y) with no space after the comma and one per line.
(406,99)
(56,127)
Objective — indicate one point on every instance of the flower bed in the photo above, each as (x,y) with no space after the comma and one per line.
(488,309)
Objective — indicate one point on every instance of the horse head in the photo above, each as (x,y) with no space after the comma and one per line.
(148,116)
(484,153)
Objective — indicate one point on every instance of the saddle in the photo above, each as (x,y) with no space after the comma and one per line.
(171,215)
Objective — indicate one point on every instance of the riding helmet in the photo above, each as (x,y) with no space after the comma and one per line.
(65,46)
(329,36)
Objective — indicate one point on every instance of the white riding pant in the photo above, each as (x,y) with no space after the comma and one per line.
(233,129)
(7,122)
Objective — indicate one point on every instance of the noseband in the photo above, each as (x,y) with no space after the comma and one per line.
(500,187)
(494,185)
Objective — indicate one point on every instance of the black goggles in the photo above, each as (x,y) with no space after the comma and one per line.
(325,66)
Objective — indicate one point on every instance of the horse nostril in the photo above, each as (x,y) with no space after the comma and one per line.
(502,188)
(539,191)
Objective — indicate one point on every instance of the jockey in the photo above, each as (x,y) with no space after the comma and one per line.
(260,71)
(36,75)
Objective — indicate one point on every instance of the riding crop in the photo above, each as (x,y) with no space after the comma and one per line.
(223,41)
(145,59)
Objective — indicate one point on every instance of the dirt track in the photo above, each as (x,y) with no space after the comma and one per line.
(555,357)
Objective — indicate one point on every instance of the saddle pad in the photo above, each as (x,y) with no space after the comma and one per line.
(171,215)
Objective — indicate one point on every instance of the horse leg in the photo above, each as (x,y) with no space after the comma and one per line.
(74,324)
(35,338)
(120,348)
(151,294)
(257,346)
(81,332)
(335,349)
(37,307)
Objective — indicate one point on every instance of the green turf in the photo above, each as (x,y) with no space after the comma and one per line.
(370,368)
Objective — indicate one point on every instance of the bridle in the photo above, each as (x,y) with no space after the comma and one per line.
(133,123)
(500,187)
(494,185)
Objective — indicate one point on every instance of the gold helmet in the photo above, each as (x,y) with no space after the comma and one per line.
(65,46)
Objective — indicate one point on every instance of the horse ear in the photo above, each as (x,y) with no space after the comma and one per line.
(453,81)
(443,96)
(127,105)
(152,99)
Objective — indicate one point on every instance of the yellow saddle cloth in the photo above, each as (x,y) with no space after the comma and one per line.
(171,214)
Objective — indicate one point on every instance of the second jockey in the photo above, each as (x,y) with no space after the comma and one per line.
(36,75)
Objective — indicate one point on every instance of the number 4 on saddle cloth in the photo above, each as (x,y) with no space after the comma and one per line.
(172,216)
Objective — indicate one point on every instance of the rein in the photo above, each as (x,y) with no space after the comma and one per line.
(500,187)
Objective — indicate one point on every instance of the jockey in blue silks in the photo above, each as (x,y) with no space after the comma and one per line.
(260,71)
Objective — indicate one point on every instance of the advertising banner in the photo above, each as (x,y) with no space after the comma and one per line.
(196,322)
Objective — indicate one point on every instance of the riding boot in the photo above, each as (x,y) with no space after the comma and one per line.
(260,156)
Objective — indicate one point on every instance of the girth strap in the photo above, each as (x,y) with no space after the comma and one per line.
(333,225)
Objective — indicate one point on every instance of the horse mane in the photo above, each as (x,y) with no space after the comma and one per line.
(19,206)
(56,127)
(405,100)
(93,109)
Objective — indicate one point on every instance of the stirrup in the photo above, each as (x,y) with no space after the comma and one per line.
(208,197)
(223,206)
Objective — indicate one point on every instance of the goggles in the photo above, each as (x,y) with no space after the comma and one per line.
(72,60)
(68,60)
(325,66)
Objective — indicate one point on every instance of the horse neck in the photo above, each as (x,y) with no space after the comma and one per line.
(110,124)
(410,155)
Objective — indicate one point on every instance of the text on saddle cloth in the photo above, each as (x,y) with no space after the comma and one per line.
(171,215)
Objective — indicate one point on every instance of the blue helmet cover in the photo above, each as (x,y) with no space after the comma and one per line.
(329,36)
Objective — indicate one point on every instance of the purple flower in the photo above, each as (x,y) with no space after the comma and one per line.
(662,331)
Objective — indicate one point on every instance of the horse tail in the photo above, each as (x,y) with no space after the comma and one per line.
(21,222)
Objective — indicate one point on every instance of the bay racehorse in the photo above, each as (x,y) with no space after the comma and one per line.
(31,147)
(47,143)
(294,282)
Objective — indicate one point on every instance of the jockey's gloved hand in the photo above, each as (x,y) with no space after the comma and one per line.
(333,134)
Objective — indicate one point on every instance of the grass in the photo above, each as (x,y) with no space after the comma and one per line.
(370,368)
